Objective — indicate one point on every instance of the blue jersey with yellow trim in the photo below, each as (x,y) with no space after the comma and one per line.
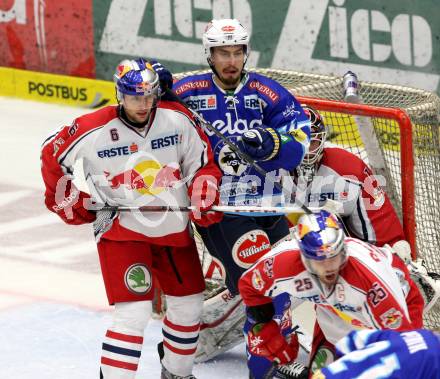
(386,354)
(257,101)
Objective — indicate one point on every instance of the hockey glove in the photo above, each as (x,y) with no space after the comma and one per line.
(71,208)
(204,194)
(266,340)
(261,143)
(165,76)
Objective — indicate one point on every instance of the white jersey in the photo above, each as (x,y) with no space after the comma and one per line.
(367,211)
(125,167)
(367,293)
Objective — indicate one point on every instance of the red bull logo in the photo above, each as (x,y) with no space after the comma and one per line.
(130,178)
(392,319)
(147,177)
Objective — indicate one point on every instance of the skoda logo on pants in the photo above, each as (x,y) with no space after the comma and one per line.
(138,279)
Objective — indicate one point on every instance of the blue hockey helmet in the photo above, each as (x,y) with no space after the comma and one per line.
(136,78)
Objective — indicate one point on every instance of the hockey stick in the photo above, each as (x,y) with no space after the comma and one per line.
(234,148)
(330,205)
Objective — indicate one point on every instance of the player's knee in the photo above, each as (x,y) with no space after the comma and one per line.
(184,310)
(132,316)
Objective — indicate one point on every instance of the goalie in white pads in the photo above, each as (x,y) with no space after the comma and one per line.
(352,284)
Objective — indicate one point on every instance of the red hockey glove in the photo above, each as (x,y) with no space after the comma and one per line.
(268,341)
(204,194)
(71,208)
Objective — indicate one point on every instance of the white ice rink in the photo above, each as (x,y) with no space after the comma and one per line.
(53,307)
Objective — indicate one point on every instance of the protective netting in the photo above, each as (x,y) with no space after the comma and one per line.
(423,109)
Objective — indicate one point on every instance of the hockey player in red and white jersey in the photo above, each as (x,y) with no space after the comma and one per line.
(143,152)
(331,172)
(352,284)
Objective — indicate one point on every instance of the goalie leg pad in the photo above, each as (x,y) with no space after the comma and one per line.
(221,327)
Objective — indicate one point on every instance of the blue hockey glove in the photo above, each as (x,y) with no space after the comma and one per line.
(165,76)
(261,143)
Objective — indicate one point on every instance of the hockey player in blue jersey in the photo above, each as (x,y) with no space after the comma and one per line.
(262,118)
(266,122)
(386,354)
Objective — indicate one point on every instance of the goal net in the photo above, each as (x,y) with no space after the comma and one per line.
(396,131)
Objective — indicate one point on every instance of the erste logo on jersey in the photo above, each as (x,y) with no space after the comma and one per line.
(250,247)
(323,196)
(166,141)
(198,84)
(254,102)
(118,151)
(202,102)
(264,90)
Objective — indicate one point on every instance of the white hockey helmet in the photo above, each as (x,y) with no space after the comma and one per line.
(225,32)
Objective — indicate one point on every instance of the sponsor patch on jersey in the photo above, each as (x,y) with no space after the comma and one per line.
(391,319)
(138,279)
(257,281)
(252,102)
(264,90)
(134,148)
(202,102)
(56,145)
(250,247)
(230,163)
(298,135)
(290,111)
(117,151)
(323,357)
(166,141)
(378,196)
(268,267)
(197,84)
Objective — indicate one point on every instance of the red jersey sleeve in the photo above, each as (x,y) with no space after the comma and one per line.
(374,219)
(57,158)
(383,307)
